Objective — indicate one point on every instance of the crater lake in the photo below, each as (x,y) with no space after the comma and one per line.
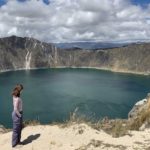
(51,95)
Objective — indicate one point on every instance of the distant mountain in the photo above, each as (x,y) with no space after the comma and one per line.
(89,45)
(27,53)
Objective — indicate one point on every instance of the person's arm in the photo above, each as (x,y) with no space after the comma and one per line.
(16,107)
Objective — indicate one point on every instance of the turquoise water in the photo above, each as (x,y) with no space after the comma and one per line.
(51,94)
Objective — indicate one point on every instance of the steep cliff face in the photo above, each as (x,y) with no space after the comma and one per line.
(27,53)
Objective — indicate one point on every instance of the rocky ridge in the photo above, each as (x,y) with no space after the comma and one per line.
(28,53)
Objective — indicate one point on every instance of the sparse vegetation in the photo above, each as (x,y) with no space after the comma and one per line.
(74,119)
(142,117)
(31,122)
(114,127)
(4,130)
(96,143)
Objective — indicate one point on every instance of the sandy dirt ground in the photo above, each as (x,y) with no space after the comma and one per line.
(75,137)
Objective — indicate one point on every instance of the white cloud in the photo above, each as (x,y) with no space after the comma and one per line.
(12,31)
(74,20)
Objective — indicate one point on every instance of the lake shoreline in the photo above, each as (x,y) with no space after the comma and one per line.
(84,67)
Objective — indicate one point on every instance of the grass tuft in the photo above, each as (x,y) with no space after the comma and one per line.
(31,123)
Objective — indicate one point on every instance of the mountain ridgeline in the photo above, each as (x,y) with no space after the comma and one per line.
(27,53)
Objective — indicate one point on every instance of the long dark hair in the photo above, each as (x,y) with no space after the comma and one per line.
(16,91)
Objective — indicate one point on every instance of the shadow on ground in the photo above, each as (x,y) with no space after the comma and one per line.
(30,138)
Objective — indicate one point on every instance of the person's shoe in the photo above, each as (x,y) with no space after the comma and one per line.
(14,145)
(18,145)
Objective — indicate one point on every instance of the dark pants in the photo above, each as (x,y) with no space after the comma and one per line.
(17,128)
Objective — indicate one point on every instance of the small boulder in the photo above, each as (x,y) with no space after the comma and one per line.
(140,105)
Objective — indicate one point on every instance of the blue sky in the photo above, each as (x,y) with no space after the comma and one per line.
(141,2)
(76,20)
(2,2)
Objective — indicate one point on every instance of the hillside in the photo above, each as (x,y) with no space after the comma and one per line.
(27,53)
(75,137)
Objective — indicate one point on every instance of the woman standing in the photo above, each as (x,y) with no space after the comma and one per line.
(17,115)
